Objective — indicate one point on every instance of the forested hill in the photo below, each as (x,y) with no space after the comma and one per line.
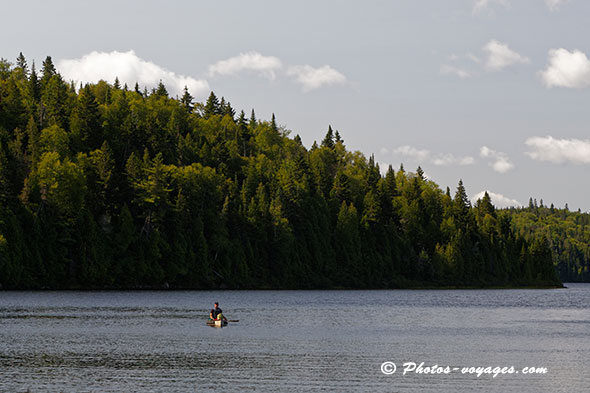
(112,186)
(567,232)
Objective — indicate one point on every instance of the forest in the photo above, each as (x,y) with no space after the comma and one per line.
(110,186)
(568,234)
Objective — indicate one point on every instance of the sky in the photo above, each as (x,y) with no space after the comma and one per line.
(493,92)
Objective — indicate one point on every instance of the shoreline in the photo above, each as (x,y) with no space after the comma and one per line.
(413,288)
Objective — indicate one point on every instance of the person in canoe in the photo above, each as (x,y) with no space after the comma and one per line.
(216,313)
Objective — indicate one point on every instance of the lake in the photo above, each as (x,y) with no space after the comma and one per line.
(295,341)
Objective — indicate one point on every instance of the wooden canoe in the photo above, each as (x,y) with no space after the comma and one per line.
(217,323)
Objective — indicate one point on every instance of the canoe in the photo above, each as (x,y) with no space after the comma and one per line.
(217,323)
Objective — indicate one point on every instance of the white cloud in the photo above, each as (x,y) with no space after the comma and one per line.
(452,70)
(473,58)
(558,151)
(482,5)
(499,56)
(312,78)
(309,77)
(479,6)
(412,152)
(566,69)
(500,161)
(424,155)
(384,150)
(502,165)
(498,200)
(450,159)
(554,5)
(250,61)
(129,68)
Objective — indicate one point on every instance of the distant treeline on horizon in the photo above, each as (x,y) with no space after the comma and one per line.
(116,187)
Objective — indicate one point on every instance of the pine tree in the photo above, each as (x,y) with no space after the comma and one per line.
(229,111)
(161,90)
(461,206)
(253,123)
(420,173)
(187,100)
(390,183)
(486,204)
(329,139)
(21,66)
(461,198)
(85,121)
(242,120)
(245,134)
(34,87)
(211,106)
(55,101)
(47,71)
(373,175)
(12,103)
(341,189)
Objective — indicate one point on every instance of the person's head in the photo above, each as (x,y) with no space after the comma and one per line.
(216,305)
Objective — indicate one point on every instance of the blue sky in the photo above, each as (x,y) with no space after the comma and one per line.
(494,92)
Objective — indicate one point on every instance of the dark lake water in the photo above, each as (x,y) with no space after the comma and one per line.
(294,341)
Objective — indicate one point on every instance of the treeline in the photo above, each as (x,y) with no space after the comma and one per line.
(568,234)
(106,186)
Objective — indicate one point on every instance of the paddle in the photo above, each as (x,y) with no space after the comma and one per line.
(233,320)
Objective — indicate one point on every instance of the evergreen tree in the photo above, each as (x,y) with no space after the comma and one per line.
(55,101)
(461,199)
(33,94)
(420,173)
(85,121)
(21,66)
(212,106)
(161,90)
(48,71)
(187,100)
(253,122)
(329,139)
(229,111)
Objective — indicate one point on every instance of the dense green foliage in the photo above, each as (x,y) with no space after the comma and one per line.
(105,186)
(568,234)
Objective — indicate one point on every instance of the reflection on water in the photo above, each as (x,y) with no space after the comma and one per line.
(292,341)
